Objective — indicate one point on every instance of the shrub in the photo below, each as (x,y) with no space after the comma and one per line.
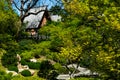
(46,65)
(13,68)
(24,62)
(45,68)
(48,71)
(9,59)
(25,44)
(4,76)
(52,75)
(59,68)
(32,65)
(26,73)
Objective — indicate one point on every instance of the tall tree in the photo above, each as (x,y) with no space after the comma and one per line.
(100,44)
(96,30)
(8,19)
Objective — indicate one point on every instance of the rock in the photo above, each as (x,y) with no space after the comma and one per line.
(25,67)
(20,70)
(13,72)
(18,57)
(63,77)
(82,72)
(32,71)
(33,60)
(22,67)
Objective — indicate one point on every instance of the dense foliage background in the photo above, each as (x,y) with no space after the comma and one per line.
(88,35)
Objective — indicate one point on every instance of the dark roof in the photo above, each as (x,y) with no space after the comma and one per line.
(32,20)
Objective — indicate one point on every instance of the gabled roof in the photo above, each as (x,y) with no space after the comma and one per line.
(33,20)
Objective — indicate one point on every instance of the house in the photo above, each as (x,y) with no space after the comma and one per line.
(36,21)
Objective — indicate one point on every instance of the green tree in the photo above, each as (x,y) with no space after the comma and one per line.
(9,24)
(8,19)
(56,10)
(95,29)
(47,71)
(100,43)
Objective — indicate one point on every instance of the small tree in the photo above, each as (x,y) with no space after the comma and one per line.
(70,55)
(47,71)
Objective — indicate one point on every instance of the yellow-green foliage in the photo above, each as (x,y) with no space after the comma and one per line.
(27,78)
(70,54)
(108,64)
(36,49)
(1,54)
(95,29)
(76,7)
(89,35)
(9,22)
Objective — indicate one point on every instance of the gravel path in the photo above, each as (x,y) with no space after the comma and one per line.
(82,71)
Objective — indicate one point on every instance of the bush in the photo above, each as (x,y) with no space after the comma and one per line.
(24,62)
(26,73)
(52,75)
(4,76)
(59,68)
(32,65)
(45,68)
(48,71)
(9,59)
(13,68)
(26,44)
(46,65)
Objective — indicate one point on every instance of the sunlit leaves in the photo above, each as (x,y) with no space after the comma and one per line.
(35,50)
(76,7)
(8,20)
(89,35)
(70,54)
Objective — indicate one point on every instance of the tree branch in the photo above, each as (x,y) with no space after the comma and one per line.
(26,1)
(16,5)
(29,6)
(34,3)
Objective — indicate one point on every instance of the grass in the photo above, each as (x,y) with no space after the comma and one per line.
(1,67)
(34,77)
(20,77)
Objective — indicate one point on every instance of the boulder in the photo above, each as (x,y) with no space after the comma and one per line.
(32,71)
(13,72)
(33,60)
